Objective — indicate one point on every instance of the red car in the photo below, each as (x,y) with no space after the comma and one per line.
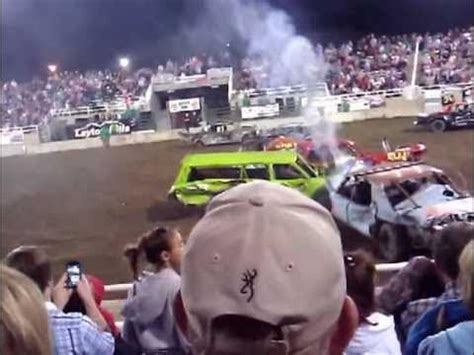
(321,155)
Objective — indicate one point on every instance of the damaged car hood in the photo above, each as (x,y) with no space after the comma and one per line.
(460,209)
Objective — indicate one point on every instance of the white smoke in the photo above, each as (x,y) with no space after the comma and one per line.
(273,43)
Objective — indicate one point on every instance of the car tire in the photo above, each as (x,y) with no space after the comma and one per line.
(323,198)
(393,244)
(438,125)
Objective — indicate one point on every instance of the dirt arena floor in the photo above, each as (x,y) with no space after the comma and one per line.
(88,204)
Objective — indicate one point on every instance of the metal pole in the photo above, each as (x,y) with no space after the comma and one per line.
(415,62)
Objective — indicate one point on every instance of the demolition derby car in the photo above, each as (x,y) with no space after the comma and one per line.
(321,154)
(202,176)
(401,206)
(217,134)
(461,117)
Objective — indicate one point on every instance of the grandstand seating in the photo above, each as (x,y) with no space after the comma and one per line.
(371,64)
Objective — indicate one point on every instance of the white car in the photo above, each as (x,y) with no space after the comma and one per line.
(401,206)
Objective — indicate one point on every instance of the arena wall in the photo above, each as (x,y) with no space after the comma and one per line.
(78,144)
(393,108)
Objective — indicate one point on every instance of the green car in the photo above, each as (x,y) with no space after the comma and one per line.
(202,176)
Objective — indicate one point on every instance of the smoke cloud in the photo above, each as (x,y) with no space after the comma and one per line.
(272,40)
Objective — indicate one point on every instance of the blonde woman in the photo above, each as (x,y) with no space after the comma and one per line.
(24,325)
(458,339)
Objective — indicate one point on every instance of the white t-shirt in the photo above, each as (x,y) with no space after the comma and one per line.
(376,339)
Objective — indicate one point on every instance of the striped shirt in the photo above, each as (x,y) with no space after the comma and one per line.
(416,308)
(76,334)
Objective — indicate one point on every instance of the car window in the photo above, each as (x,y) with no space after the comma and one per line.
(202,173)
(286,172)
(257,171)
(362,194)
(346,189)
(359,192)
(397,193)
(394,194)
(306,168)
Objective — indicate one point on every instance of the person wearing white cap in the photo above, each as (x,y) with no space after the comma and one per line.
(263,273)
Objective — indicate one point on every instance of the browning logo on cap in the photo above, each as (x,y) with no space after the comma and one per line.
(248,278)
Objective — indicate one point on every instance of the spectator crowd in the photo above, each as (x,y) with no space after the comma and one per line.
(262,272)
(371,63)
(23,104)
(384,62)
(447,58)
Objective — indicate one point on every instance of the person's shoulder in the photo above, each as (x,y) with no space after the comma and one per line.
(443,305)
(170,279)
(379,322)
(172,275)
(165,279)
(86,322)
(70,320)
(419,306)
(441,342)
(377,317)
(167,275)
(462,328)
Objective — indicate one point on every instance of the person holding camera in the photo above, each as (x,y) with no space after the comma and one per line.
(73,333)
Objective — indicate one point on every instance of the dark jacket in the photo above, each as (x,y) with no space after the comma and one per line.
(437,319)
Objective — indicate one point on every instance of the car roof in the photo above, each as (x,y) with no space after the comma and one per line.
(387,173)
(229,158)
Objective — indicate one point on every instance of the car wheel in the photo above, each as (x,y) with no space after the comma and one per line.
(200,144)
(393,245)
(438,126)
(322,197)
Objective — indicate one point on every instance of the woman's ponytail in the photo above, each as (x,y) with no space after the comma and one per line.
(132,253)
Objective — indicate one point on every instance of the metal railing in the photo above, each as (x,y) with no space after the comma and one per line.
(24,129)
(117,105)
(124,287)
(380,268)
(385,93)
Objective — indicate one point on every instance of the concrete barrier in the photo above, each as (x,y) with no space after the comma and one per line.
(12,149)
(394,107)
(78,144)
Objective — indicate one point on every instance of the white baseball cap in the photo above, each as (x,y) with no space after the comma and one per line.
(269,253)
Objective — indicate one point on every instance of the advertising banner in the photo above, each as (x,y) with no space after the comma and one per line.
(14,136)
(184,105)
(251,112)
(94,129)
(376,101)
(359,104)
(432,100)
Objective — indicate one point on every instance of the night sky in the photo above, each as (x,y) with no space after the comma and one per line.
(86,34)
